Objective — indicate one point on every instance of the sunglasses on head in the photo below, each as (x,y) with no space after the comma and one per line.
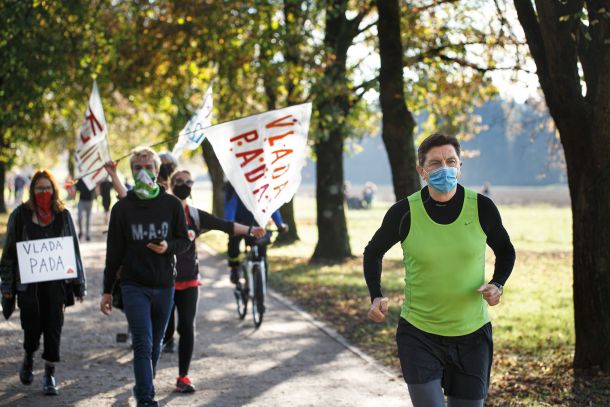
(188,182)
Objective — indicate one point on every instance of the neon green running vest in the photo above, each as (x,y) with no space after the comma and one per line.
(444,266)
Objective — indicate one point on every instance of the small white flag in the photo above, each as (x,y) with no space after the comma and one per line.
(192,135)
(92,145)
(262,156)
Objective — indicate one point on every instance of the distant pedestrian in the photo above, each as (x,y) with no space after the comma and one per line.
(85,207)
(42,304)
(20,182)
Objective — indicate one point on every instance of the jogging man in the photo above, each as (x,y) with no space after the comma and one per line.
(147,229)
(444,334)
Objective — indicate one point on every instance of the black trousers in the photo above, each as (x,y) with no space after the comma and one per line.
(185,302)
(42,313)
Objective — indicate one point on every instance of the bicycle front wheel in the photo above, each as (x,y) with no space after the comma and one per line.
(258,301)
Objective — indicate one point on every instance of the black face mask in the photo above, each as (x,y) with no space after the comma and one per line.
(182,191)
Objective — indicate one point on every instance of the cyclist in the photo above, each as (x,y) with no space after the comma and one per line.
(236,211)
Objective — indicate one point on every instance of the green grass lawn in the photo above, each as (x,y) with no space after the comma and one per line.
(533,326)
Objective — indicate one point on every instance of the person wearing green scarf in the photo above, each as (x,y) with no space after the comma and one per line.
(147,230)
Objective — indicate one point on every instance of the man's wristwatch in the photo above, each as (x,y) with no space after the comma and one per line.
(500,286)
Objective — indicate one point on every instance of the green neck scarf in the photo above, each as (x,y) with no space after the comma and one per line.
(146,187)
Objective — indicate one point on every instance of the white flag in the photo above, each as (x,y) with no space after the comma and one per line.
(92,145)
(192,135)
(262,156)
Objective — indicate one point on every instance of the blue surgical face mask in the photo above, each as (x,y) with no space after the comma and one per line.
(443,179)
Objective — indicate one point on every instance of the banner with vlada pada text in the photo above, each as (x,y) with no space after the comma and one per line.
(46,259)
(262,156)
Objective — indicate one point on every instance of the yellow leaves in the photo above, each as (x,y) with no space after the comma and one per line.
(180,21)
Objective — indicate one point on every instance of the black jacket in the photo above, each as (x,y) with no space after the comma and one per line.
(9,267)
(199,222)
(135,222)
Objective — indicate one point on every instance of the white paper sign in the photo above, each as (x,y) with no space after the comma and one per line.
(46,259)
(192,135)
(92,145)
(262,156)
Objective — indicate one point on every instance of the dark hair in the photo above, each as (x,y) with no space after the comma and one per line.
(436,140)
(56,203)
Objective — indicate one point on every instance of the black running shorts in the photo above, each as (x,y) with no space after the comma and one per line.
(463,363)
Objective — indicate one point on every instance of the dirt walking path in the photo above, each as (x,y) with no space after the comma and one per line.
(287,362)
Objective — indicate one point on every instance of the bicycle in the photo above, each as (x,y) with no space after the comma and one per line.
(252,284)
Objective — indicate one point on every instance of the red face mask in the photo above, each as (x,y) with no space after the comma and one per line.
(43,206)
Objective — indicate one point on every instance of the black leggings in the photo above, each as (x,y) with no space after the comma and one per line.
(42,313)
(185,302)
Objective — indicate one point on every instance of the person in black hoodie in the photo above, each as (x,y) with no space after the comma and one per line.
(187,285)
(42,304)
(147,230)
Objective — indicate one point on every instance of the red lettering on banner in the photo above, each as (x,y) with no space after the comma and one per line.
(273,139)
(278,122)
(249,136)
(283,170)
(262,190)
(279,154)
(255,174)
(90,117)
(248,156)
(279,188)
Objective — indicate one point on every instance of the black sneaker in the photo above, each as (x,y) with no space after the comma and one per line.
(234,276)
(26,374)
(48,382)
(184,385)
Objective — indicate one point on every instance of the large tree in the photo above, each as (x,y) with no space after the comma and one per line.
(570,44)
(398,122)
(333,104)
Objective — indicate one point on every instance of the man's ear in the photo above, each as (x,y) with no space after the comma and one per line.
(420,171)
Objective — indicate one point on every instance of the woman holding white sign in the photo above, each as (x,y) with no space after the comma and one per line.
(41,265)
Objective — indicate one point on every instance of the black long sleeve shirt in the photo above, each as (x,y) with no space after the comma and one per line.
(187,262)
(397,222)
(133,224)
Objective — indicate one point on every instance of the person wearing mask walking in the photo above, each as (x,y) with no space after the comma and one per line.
(41,304)
(186,293)
(147,230)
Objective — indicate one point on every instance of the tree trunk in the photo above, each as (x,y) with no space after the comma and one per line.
(216,175)
(333,106)
(557,45)
(398,122)
(333,239)
(2,183)
(590,193)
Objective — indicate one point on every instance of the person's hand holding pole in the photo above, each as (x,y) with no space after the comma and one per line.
(379,309)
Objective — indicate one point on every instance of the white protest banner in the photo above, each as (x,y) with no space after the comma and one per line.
(46,259)
(192,135)
(262,156)
(92,145)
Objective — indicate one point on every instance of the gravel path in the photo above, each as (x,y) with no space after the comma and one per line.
(289,361)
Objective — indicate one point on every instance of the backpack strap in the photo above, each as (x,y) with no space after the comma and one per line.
(194,212)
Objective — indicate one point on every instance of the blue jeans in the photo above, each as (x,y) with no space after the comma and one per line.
(147,311)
